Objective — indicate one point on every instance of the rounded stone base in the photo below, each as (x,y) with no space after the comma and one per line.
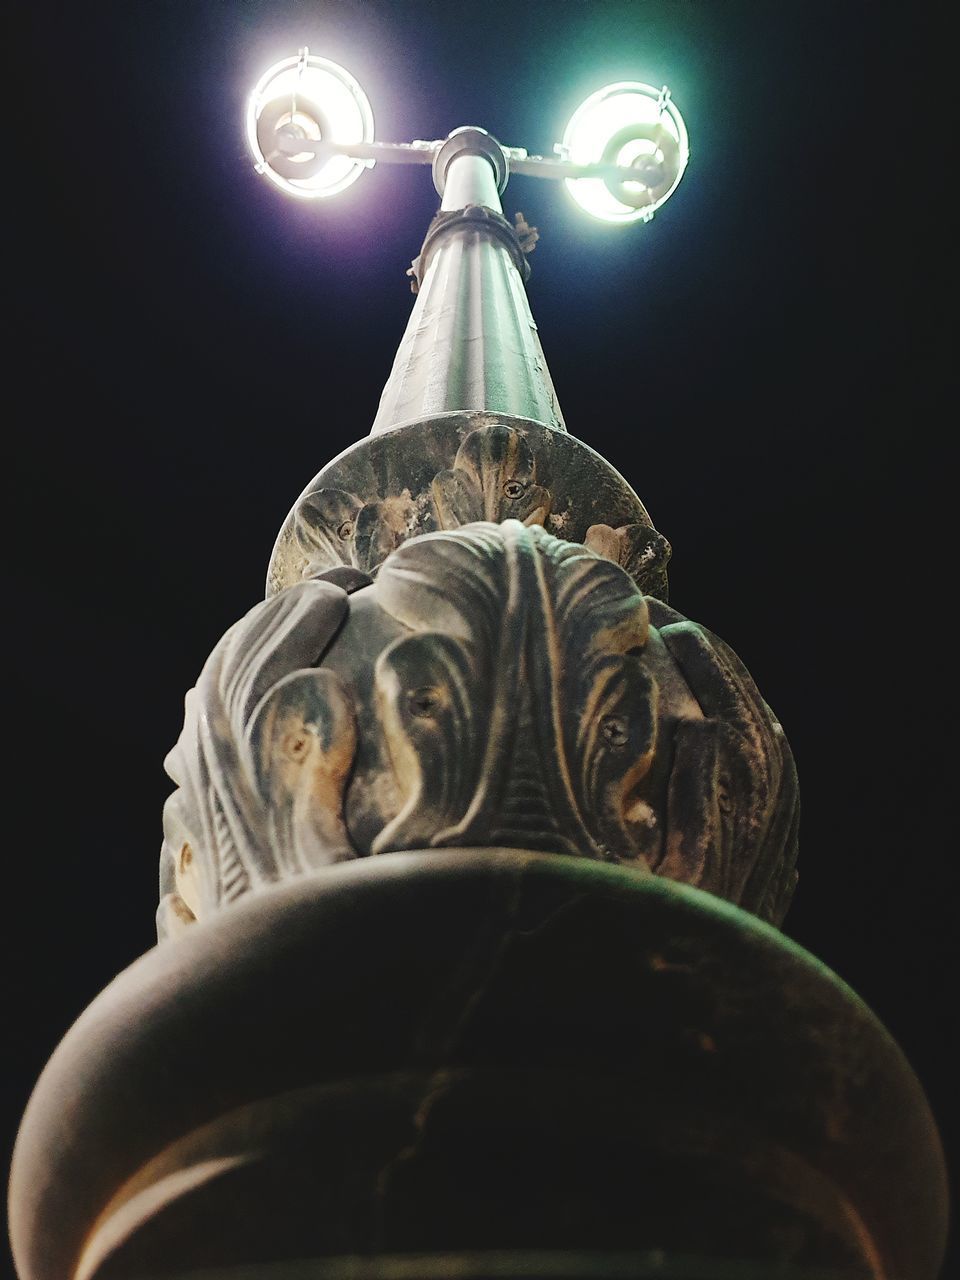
(491,1061)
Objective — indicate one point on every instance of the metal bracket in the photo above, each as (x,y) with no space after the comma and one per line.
(474,216)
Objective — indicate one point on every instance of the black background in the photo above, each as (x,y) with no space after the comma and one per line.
(762,362)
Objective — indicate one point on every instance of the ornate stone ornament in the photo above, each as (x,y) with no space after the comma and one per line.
(496,687)
(445,472)
(458,806)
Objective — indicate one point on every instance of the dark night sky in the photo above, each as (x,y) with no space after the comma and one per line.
(759,362)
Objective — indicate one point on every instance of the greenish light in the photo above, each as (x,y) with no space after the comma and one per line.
(639,115)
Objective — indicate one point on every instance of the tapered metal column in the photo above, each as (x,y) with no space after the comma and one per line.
(471,342)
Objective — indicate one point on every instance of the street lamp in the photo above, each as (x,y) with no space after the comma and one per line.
(310,128)
(471,879)
(631,126)
(312,102)
(471,344)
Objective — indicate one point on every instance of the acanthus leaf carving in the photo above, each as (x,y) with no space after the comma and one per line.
(248,810)
(324,528)
(493,686)
(639,549)
(380,529)
(747,799)
(333,527)
(457,498)
(612,737)
(301,742)
(427,691)
(493,479)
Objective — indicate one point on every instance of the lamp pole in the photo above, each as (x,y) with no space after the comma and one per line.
(471,342)
(471,881)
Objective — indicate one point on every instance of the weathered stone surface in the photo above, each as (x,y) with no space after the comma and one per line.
(475,1050)
(448,471)
(494,686)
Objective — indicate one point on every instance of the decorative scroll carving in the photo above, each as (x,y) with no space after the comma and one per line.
(447,472)
(733,804)
(262,762)
(493,478)
(333,527)
(427,688)
(495,686)
(324,528)
(549,628)
(639,549)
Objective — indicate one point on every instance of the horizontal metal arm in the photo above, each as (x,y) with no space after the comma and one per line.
(291,143)
(645,172)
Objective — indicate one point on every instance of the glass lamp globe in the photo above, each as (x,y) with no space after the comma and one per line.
(314,99)
(629,125)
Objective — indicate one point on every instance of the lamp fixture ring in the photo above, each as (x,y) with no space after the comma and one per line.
(626,124)
(295,120)
(470,140)
(655,175)
(323,100)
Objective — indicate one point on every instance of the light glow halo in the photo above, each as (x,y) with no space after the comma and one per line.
(302,83)
(637,114)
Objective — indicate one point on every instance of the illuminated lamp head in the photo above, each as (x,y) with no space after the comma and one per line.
(632,126)
(314,100)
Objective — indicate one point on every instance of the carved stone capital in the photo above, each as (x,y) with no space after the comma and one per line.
(445,472)
(495,686)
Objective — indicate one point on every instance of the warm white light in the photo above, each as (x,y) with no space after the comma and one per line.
(321,100)
(622,124)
